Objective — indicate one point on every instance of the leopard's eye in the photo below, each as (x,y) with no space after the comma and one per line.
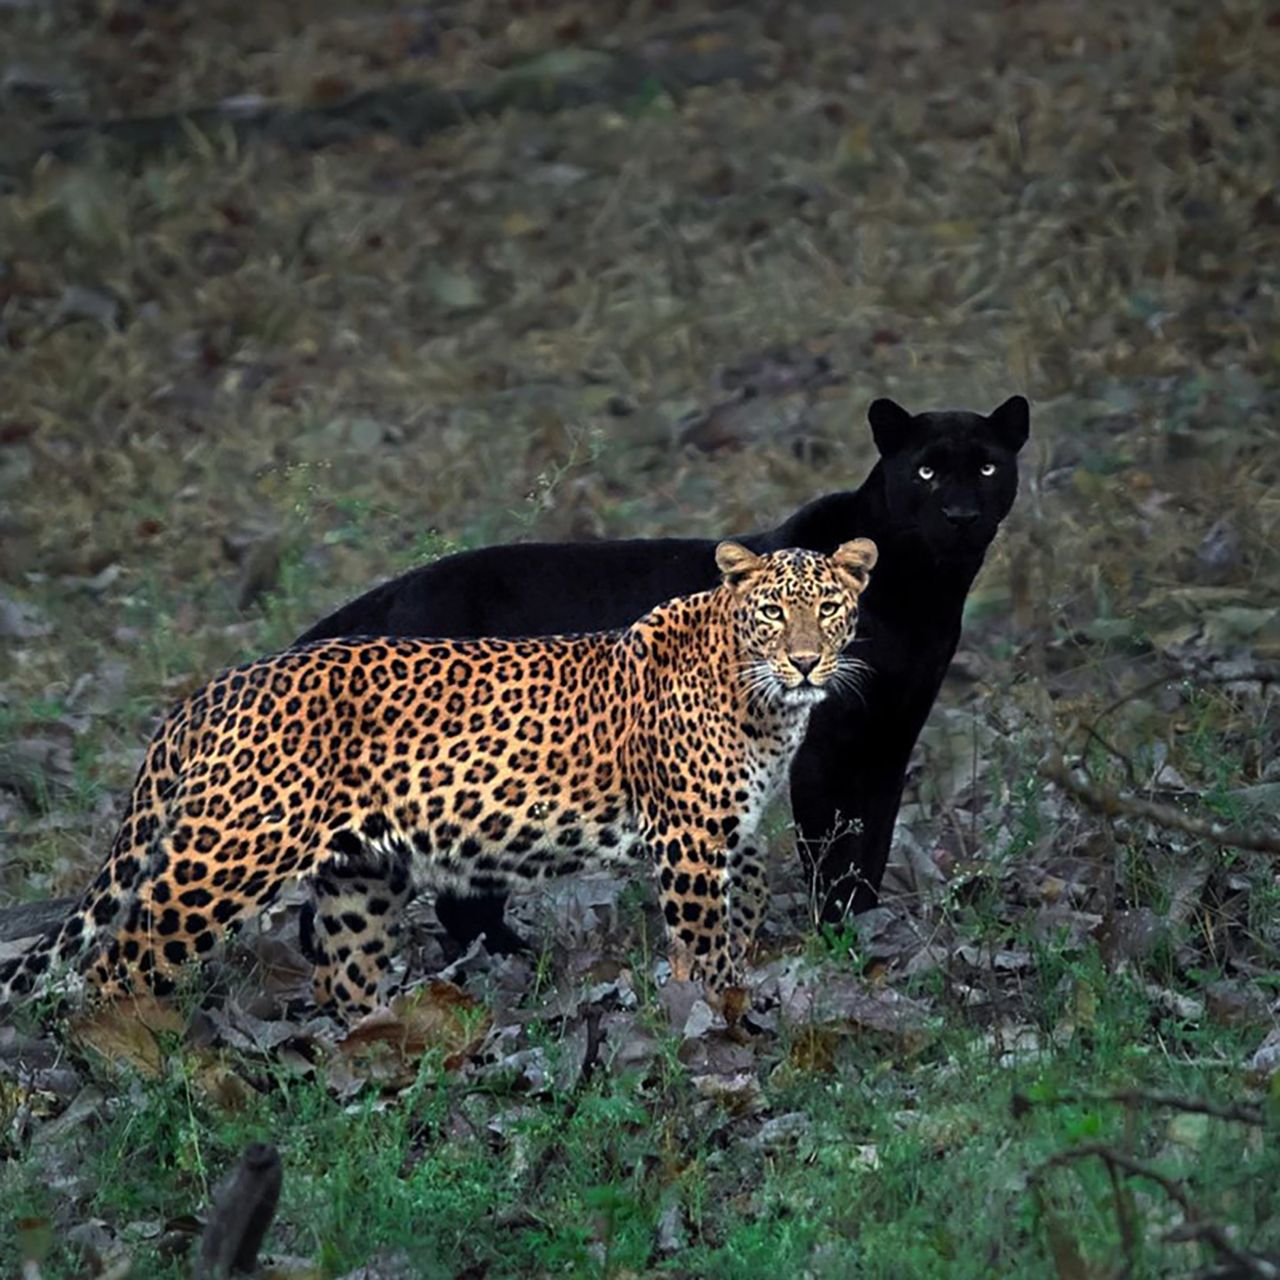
(925,473)
(987,470)
(828,609)
(771,611)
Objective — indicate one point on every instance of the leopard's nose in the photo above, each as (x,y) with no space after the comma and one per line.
(804,662)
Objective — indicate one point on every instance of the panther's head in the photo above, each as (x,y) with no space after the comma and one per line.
(794,611)
(950,477)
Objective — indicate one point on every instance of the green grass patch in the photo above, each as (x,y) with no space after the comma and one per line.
(869,1164)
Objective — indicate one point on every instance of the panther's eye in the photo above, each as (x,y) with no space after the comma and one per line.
(771,611)
(925,473)
(987,470)
(828,609)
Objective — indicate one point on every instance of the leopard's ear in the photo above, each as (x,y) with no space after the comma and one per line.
(736,562)
(856,559)
(1011,422)
(891,426)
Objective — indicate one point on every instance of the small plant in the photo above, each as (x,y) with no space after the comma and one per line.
(839,941)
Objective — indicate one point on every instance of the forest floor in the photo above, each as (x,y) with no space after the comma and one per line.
(245,378)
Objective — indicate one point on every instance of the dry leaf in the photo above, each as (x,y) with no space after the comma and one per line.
(130,1031)
(223,1086)
(439,1015)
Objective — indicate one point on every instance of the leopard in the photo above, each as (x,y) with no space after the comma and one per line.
(943,483)
(370,768)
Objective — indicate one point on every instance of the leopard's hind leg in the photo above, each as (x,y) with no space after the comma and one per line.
(182,907)
(352,928)
(211,866)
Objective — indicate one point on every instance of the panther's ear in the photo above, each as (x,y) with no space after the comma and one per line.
(856,559)
(890,426)
(1012,423)
(736,562)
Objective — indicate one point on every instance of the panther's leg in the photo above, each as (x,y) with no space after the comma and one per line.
(748,900)
(354,934)
(468,917)
(846,788)
(693,884)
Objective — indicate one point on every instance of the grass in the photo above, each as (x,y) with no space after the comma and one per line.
(350,361)
(882,1167)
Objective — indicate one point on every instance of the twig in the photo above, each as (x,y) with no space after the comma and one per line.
(1212,1234)
(595,1039)
(1115,752)
(1138,1098)
(1259,675)
(1124,1216)
(31,919)
(242,1211)
(1112,804)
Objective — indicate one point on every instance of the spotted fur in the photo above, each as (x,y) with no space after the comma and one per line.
(369,767)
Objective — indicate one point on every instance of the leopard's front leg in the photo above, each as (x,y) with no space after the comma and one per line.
(748,900)
(693,888)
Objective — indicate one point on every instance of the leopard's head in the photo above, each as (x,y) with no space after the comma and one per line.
(794,612)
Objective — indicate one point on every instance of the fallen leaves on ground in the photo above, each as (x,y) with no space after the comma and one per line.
(388,1044)
(135,1031)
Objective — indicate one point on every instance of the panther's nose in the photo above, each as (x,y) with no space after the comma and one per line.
(804,662)
(960,515)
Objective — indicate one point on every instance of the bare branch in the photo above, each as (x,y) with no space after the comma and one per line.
(1259,675)
(1138,1098)
(1114,804)
(1249,1264)
(31,919)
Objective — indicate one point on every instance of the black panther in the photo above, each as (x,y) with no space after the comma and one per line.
(932,504)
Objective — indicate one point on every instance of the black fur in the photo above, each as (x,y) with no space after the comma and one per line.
(932,527)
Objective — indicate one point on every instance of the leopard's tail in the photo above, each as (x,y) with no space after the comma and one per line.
(54,961)
(30,974)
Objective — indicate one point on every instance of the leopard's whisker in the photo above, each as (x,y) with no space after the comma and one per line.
(850,679)
(853,664)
